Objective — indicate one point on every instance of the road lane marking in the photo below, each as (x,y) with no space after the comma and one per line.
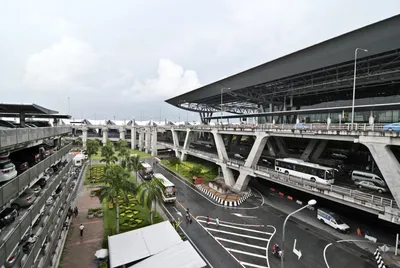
(186,210)
(236,234)
(232,223)
(239,243)
(190,240)
(238,228)
(252,265)
(201,194)
(246,253)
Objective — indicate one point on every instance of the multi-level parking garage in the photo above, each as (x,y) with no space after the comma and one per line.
(37,185)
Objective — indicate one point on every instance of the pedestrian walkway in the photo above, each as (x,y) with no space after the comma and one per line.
(248,244)
(79,251)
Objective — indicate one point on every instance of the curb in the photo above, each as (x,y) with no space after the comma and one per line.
(224,202)
(209,194)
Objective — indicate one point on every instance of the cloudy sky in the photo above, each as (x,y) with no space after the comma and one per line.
(124,58)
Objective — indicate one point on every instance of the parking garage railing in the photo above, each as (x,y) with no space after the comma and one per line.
(14,236)
(16,186)
(12,137)
(48,256)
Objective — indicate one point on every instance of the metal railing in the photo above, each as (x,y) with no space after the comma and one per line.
(275,127)
(16,186)
(359,197)
(12,137)
(13,237)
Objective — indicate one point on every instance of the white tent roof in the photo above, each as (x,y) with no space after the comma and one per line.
(182,255)
(141,243)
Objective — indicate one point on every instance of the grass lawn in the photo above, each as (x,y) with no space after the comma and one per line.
(140,153)
(132,216)
(97,171)
(209,170)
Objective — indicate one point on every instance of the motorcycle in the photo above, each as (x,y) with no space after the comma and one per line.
(277,252)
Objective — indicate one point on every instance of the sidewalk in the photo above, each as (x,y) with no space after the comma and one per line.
(79,251)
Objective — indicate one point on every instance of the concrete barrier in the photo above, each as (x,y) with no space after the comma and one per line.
(299,202)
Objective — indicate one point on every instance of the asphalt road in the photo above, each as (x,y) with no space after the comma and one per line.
(235,241)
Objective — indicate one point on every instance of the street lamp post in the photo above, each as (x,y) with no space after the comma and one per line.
(311,202)
(354,84)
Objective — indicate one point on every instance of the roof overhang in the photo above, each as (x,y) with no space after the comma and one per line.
(40,116)
(358,108)
(26,108)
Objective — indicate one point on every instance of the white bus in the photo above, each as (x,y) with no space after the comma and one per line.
(305,170)
(147,172)
(169,194)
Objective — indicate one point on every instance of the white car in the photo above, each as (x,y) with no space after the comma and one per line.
(7,169)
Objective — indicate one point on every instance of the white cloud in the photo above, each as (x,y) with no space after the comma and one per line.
(61,66)
(172,80)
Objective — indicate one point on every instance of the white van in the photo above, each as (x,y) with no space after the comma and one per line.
(332,220)
(78,160)
(358,176)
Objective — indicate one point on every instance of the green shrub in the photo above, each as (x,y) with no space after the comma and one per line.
(174,161)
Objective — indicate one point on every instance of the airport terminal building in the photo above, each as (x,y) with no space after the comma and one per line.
(314,84)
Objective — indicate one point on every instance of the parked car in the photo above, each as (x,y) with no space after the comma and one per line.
(358,176)
(7,169)
(30,155)
(6,125)
(36,189)
(49,201)
(394,127)
(24,200)
(20,166)
(43,180)
(372,186)
(14,257)
(7,216)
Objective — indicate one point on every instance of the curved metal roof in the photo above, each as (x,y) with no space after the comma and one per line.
(378,38)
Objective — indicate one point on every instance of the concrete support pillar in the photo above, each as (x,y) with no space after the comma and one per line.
(371,119)
(175,139)
(122,133)
(227,173)
(141,139)
(133,138)
(84,136)
(242,181)
(309,149)
(154,142)
(219,144)
(281,146)
(251,162)
(256,150)
(186,145)
(105,135)
(318,151)
(271,149)
(386,162)
(147,141)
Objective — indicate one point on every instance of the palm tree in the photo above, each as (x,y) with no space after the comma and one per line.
(92,147)
(78,141)
(123,152)
(150,193)
(133,164)
(108,154)
(116,182)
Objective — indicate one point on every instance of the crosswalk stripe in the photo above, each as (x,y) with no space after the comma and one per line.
(252,265)
(240,243)
(238,228)
(246,253)
(236,234)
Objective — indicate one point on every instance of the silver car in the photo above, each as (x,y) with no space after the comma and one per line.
(26,199)
(371,186)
